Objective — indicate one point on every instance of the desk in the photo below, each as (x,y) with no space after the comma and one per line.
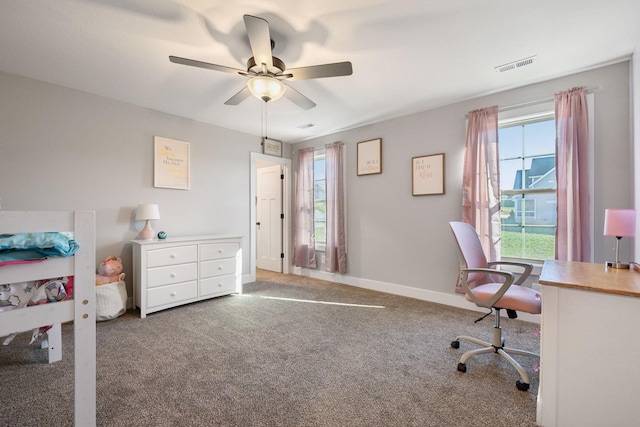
(589,346)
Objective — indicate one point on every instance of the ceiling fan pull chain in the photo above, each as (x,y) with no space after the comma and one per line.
(266,122)
(262,131)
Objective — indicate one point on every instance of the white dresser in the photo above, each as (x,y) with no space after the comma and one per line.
(181,270)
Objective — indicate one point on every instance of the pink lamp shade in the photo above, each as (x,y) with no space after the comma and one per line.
(620,222)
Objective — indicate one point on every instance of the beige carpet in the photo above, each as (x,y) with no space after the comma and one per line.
(290,351)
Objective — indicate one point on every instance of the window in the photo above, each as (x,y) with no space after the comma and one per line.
(320,196)
(528,187)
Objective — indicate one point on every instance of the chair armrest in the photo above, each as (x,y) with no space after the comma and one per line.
(508,281)
(528,268)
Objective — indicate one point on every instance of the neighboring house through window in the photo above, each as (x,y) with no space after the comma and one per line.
(528,186)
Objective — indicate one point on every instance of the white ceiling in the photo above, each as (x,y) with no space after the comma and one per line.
(407,55)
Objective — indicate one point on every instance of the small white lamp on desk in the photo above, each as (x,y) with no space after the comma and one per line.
(620,223)
(147,213)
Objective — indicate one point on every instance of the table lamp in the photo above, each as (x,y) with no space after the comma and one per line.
(620,223)
(147,213)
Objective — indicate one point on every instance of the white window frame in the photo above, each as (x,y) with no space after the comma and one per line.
(534,111)
(320,153)
(545,112)
(321,246)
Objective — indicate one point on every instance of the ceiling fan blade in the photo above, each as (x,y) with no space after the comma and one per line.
(200,64)
(259,39)
(299,99)
(238,97)
(320,71)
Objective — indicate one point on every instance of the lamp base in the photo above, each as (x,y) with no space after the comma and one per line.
(620,265)
(147,232)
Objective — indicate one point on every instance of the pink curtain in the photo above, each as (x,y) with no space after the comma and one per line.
(336,250)
(304,246)
(481,178)
(572,129)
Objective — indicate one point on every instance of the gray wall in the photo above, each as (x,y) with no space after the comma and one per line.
(62,149)
(398,239)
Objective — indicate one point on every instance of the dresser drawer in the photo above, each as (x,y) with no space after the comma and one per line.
(171,256)
(218,267)
(216,285)
(210,251)
(172,294)
(160,276)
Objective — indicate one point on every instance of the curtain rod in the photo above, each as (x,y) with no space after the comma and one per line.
(536,102)
(314,148)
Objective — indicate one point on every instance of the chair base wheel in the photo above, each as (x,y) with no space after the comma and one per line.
(455,344)
(463,368)
(522,386)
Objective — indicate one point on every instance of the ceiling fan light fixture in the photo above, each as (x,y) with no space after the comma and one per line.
(265,72)
(266,88)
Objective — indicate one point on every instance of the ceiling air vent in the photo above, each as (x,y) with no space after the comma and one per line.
(515,64)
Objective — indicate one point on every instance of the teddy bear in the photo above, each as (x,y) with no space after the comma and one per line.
(110,270)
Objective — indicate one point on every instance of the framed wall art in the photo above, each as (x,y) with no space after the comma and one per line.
(171,163)
(370,157)
(427,175)
(272,147)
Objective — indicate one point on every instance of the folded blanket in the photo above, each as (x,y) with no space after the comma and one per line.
(43,244)
(20,257)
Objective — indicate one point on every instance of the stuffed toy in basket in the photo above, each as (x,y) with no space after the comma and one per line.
(111,290)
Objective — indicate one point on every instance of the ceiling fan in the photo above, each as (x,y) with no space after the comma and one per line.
(267,73)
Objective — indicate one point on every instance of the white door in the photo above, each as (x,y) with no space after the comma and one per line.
(269,218)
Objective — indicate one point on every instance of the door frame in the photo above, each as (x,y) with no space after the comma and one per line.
(286,198)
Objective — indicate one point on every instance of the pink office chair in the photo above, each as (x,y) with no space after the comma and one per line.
(477,280)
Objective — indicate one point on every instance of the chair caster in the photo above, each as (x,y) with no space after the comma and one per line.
(463,368)
(455,344)
(522,386)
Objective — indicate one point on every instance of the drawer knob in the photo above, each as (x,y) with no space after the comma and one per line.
(220,251)
(219,285)
(173,256)
(173,294)
(220,268)
(173,275)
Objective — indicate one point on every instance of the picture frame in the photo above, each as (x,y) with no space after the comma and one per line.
(369,157)
(427,175)
(171,163)
(272,147)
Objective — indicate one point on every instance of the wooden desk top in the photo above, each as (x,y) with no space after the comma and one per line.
(591,277)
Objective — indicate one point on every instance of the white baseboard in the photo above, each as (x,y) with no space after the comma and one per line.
(453,299)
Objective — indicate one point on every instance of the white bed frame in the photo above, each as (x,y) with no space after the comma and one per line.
(81,309)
